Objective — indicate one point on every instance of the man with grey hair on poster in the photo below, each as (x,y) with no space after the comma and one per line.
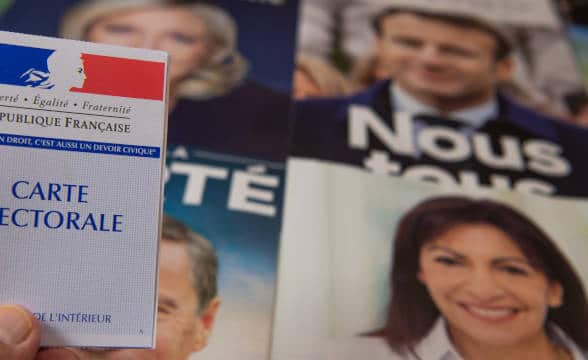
(187,308)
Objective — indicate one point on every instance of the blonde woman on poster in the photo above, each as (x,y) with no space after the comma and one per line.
(213,104)
(201,39)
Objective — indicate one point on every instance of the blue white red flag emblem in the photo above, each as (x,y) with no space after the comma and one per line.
(67,70)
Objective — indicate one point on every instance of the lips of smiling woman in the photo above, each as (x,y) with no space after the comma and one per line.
(491,314)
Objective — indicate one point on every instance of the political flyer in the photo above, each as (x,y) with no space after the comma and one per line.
(360,242)
(453,115)
(235,203)
(229,115)
(82,136)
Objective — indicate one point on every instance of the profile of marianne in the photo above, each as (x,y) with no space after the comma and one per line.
(64,70)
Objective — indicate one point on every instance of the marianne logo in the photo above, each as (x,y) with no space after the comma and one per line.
(67,70)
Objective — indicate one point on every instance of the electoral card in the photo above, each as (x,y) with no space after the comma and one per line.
(82,139)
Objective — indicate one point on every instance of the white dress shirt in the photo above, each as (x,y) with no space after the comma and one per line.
(436,345)
(474,116)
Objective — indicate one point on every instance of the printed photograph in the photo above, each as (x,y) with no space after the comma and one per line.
(405,270)
(435,49)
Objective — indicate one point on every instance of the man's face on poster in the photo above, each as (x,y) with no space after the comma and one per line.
(182,328)
(437,61)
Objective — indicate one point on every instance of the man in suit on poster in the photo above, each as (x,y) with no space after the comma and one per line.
(446,73)
(187,307)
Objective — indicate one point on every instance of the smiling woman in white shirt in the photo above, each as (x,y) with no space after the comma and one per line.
(475,279)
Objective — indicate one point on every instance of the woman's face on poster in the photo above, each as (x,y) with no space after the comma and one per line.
(173,29)
(485,287)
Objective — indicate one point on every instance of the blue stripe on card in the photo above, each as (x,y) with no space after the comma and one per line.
(79,146)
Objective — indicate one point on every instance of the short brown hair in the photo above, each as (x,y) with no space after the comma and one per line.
(503,45)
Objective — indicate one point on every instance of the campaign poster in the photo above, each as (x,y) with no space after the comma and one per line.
(442,114)
(229,113)
(341,232)
(235,203)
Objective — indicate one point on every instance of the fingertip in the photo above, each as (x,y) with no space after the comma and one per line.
(19,333)
(16,324)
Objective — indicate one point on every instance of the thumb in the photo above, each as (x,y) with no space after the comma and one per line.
(19,333)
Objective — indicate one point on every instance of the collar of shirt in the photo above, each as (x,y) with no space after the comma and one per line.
(475,116)
(437,345)
(559,336)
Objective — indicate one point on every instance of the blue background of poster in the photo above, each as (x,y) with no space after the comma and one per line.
(210,218)
(246,244)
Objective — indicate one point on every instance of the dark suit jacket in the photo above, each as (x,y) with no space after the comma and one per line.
(321,132)
(251,121)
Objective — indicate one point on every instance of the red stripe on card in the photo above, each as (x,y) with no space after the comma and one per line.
(106,75)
